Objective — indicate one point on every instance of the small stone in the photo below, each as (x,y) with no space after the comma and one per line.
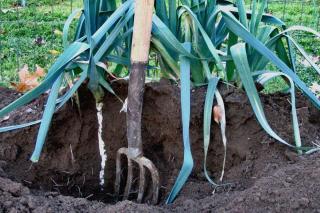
(289,180)
(304,202)
(40,209)
(291,156)
(240,199)
(295,205)
(7,204)
(23,201)
(13,210)
(3,164)
(278,208)
(81,201)
(188,204)
(29,110)
(31,203)
(53,194)
(286,184)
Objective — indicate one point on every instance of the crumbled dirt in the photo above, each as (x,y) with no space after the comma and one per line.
(261,174)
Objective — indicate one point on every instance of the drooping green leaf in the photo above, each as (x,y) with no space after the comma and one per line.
(240,31)
(239,55)
(207,117)
(185,113)
(46,118)
(264,77)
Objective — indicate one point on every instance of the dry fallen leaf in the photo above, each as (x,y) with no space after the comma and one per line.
(24,73)
(315,88)
(27,80)
(39,71)
(217,113)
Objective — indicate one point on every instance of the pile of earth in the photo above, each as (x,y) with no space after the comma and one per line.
(261,174)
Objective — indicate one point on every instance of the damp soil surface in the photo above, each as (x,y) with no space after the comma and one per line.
(261,174)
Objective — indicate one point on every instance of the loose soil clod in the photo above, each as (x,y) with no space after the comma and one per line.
(263,175)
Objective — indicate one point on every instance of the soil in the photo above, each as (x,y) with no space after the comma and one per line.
(261,174)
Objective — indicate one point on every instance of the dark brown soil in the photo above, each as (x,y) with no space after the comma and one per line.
(263,175)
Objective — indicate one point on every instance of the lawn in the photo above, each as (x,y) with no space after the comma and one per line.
(27,35)
(306,13)
(30,35)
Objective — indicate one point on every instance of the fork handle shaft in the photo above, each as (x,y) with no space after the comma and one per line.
(142,30)
(139,60)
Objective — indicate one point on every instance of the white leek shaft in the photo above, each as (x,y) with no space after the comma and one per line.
(101,143)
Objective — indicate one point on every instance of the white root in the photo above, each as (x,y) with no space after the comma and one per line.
(102,150)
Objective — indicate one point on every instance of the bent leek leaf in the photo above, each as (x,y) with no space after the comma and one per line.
(185,113)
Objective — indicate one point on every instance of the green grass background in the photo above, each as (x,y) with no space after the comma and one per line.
(19,27)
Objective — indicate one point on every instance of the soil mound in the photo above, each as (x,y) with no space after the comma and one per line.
(262,175)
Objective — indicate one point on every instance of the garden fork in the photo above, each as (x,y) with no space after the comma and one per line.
(139,60)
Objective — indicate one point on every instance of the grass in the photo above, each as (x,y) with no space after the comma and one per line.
(306,13)
(299,13)
(19,27)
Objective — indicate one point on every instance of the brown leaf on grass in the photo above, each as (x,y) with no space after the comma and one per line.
(27,80)
(217,114)
(39,71)
(20,87)
(315,88)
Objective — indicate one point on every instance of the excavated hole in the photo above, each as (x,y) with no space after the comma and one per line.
(70,162)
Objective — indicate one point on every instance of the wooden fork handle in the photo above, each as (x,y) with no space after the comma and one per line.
(139,60)
(142,30)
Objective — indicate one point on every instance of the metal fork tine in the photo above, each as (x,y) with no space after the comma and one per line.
(155,177)
(129,180)
(118,172)
(155,181)
(144,163)
(141,183)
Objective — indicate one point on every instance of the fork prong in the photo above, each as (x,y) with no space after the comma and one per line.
(144,163)
(121,151)
(154,175)
(142,181)
(129,180)
(118,173)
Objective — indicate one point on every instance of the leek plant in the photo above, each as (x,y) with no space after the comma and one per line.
(197,43)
